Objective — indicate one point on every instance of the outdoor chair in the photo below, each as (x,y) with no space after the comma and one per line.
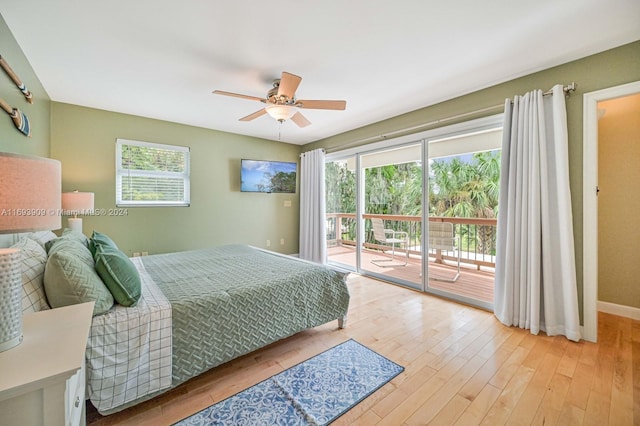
(390,237)
(442,237)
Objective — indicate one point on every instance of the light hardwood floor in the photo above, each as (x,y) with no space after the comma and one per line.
(462,367)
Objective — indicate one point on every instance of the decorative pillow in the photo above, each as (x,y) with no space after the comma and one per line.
(33,259)
(119,274)
(42,237)
(68,235)
(97,239)
(70,277)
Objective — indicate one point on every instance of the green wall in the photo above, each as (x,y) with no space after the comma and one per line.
(11,139)
(84,140)
(610,68)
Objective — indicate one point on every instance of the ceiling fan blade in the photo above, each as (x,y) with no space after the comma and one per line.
(237,95)
(300,119)
(254,115)
(288,85)
(314,104)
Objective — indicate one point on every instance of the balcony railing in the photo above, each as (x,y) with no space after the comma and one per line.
(477,236)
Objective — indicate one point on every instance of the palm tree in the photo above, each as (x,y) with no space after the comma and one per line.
(460,188)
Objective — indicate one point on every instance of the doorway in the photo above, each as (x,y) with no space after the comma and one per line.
(382,214)
(592,101)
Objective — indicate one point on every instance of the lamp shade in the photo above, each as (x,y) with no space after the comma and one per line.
(29,193)
(29,201)
(281,112)
(77,202)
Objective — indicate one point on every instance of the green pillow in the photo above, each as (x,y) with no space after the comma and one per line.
(119,274)
(70,277)
(99,239)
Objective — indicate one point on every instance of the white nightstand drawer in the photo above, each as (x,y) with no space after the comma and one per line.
(43,378)
(74,398)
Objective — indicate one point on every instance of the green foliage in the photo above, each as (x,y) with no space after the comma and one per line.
(283,182)
(340,188)
(465,189)
(152,159)
(457,188)
(278,182)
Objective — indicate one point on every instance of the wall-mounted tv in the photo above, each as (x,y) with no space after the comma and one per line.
(268,176)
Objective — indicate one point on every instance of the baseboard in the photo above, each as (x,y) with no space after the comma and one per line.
(620,310)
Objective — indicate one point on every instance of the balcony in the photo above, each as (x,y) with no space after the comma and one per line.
(477,238)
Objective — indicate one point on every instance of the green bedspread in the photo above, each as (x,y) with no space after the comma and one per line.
(228,301)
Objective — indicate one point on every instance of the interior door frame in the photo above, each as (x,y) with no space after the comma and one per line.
(590,202)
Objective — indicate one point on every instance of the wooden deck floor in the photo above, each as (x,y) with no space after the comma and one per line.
(472,283)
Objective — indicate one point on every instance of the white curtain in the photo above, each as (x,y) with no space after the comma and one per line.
(313,245)
(535,281)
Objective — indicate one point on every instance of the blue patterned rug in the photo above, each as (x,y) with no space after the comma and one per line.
(314,392)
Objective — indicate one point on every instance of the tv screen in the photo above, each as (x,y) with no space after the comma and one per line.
(268,176)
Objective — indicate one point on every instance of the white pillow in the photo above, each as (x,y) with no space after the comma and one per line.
(33,259)
(42,237)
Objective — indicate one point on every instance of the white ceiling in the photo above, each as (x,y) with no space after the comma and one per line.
(162,59)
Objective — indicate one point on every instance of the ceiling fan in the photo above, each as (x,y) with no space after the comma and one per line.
(282,103)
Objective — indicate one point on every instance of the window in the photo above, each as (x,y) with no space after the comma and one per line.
(150,174)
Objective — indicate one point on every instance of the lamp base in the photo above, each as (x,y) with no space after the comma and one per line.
(75,224)
(5,346)
(10,299)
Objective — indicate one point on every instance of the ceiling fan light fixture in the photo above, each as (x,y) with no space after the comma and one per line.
(282,104)
(281,112)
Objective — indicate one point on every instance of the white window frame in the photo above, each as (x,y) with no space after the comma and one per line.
(122,172)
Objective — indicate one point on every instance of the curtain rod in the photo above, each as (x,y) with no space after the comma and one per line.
(567,90)
(302,154)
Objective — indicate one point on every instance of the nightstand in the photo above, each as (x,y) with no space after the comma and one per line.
(42,380)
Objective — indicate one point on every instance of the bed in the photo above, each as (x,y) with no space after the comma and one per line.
(200,309)
(196,309)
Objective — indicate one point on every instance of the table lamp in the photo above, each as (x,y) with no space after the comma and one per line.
(77,203)
(29,201)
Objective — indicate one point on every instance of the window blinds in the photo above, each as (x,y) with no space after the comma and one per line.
(149,174)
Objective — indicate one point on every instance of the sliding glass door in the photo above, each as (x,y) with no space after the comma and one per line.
(392,214)
(420,212)
(341,204)
(463,186)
